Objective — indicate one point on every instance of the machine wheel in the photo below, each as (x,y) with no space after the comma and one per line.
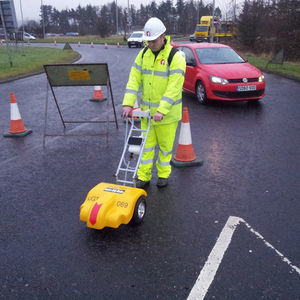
(201,93)
(129,46)
(139,211)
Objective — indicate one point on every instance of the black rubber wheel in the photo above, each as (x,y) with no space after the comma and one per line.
(139,211)
(129,46)
(201,93)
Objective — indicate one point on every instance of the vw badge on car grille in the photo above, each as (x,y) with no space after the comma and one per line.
(245,80)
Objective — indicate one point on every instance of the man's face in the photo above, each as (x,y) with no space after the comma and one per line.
(157,44)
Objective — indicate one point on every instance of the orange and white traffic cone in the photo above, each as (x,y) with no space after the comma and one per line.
(98,95)
(185,156)
(118,45)
(78,44)
(105,46)
(92,45)
(17,128)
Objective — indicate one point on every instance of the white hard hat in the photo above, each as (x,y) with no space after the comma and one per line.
(154,27)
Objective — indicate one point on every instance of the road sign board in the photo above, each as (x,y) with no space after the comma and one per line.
(8,20)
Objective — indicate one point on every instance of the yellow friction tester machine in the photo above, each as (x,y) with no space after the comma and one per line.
(110,205)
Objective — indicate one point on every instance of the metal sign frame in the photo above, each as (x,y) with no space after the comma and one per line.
(92,74)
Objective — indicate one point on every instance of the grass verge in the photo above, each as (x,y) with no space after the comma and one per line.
(30,60)
(288,69)
(86,39)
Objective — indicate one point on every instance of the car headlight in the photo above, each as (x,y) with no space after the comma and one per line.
(218,80)
(261,78)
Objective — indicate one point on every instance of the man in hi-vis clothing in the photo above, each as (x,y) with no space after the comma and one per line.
(162,94)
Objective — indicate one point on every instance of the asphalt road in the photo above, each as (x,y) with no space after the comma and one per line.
(250,171)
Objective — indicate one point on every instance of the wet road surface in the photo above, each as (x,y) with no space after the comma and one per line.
(251,171)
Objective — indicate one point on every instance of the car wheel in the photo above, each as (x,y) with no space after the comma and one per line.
(129,46)
(201,93)
(139,211)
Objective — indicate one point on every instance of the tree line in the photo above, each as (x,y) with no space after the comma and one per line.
(271,25)
(261,25)
(101,20)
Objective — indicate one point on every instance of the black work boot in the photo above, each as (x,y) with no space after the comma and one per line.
(162,182)
(141,184)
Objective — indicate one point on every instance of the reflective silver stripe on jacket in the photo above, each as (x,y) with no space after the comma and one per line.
(171,101)
(148,161)
(149,149)
(149,104)
(147,72)
(165,153)
(162,74)
(177,71)
(131,91)
(163,164)
(135,65)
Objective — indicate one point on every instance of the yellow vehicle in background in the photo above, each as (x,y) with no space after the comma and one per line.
(221,29)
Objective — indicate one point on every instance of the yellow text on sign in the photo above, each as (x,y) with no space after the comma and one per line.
(79,75)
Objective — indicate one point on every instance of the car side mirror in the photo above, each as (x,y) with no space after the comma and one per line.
(192,63)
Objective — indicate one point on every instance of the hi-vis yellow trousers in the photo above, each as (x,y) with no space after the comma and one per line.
(164,136)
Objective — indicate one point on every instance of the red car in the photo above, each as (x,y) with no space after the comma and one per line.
(217,72)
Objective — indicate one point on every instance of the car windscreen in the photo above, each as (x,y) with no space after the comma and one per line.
(201,28)
(218,56)
(136,35)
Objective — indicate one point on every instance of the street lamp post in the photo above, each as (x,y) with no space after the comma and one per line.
(22,19)
(117,17)
(43,18)
(212,24)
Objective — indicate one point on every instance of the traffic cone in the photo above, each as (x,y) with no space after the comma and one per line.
(185,156)
(118,45)
(92,45)
(98,95)
(78,44)
(105,46)
(17,128)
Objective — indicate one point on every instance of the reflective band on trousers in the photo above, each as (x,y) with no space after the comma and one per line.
(164,164)
(165,153)
(149,149)
(148,161)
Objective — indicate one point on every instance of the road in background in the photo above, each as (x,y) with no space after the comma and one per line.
(251,171)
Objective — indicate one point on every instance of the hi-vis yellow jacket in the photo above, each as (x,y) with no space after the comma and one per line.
(161,84)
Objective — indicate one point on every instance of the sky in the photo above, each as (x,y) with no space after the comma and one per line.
(31,8)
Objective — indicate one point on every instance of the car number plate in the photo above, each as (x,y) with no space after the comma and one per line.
(243,88)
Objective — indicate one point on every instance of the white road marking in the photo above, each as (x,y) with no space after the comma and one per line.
(214,260)
(215,257)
